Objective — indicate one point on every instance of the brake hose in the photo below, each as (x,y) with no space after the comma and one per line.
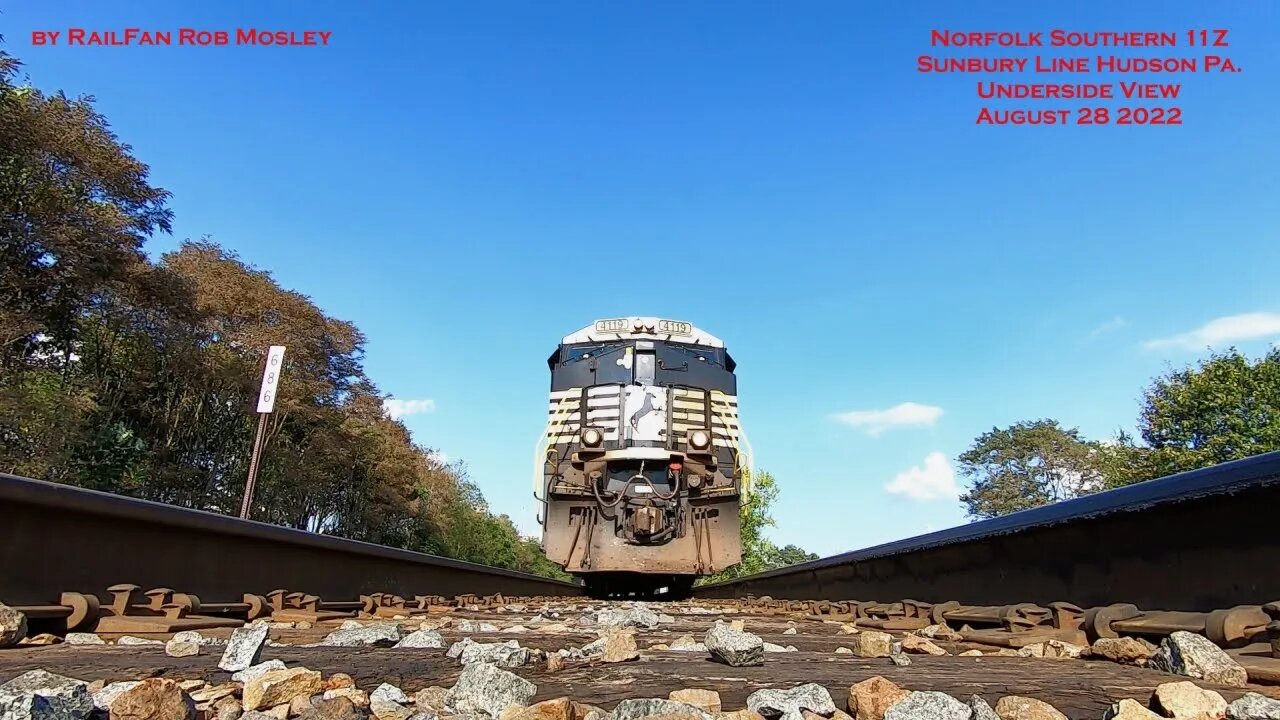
(623,493)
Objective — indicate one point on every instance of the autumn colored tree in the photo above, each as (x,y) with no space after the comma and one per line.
(140,378)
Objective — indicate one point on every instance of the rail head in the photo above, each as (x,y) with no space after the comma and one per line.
(26,491)
(1224,479)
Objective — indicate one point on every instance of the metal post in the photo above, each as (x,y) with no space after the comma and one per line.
(253,467)
(266,404)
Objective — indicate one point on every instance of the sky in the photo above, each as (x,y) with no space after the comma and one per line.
(469,182)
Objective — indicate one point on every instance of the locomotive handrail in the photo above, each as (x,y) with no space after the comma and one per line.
(746,460)
(540,458)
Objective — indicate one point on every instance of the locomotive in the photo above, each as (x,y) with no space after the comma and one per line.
(639,470)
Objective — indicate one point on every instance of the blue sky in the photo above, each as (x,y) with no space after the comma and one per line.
(468,182)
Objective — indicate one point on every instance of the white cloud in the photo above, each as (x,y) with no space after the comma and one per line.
(1249,326)
(396,409)
(1114,323)
(905,414)
(933,480)
(438,457)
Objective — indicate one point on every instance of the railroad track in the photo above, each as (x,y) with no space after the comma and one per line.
(1197,541)
(1191,552)
(73,558)
(1180,554)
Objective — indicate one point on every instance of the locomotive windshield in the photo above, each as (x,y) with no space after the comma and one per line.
(665,364)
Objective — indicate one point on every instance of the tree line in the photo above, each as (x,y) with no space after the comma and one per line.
(1224,407)
(138,377)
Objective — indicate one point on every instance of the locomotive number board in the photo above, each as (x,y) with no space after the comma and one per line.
(664,327)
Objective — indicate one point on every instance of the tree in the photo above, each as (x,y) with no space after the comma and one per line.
(790,555)
(758,552)
(139,377)
(1225,408)
(1029,464)
(75,208)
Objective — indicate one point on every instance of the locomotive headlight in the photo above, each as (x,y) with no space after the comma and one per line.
(699,440)
(592,437)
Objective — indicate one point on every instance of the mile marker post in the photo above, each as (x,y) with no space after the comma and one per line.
(266,403)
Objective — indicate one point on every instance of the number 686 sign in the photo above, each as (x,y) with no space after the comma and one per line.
(271,378)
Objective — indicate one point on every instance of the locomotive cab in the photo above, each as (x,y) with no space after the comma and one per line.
(639,469)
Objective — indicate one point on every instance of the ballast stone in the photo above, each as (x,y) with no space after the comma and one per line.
(154,699)
(939,632)
(982,709)
(1122,649)
(13,626)
(378,635)
(871,698)
(560,708)
(103,698)
(193,636)
(788,704)
(1129,710)
(42,695)
(79,638)
(897,657)
(1185,699)
(421,639)
(247,675)
(1253,706)
(687,643)
(243,648)
(619,646)
(278,687)
(921,645)
(1015,707)
(1195,656)
(176,648)
(131,640)
(388,702)
(502,654)
(338,708)
(637,708)
(485,688)
(929,705)
(871,644)
(628,617)
(708,700)
(227,708)
(734,647)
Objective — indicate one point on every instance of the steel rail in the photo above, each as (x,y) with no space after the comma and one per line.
(58,538)
(1196,541)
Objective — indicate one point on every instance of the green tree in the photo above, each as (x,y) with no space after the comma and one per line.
(1227,407)
(790,555)
(1029,464)
(758,552)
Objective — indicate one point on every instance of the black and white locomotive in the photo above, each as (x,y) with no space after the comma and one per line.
(641,465)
